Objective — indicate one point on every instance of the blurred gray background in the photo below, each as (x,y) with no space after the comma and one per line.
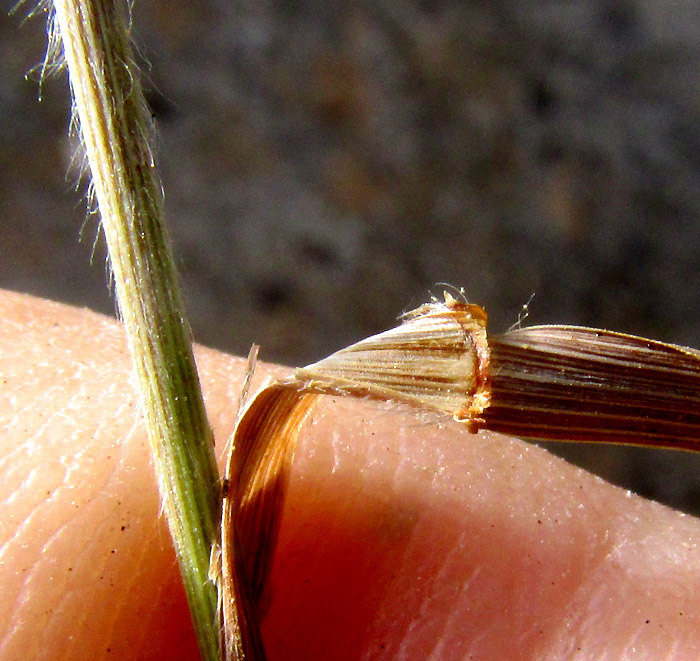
(327,163)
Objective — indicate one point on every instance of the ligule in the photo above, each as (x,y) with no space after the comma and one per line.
(436,359)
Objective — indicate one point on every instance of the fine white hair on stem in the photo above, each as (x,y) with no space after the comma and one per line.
(79,165)
(53,60)
(112,120)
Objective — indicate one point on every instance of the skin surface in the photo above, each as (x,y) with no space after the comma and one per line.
(401,537)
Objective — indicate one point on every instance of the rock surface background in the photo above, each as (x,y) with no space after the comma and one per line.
(326,164)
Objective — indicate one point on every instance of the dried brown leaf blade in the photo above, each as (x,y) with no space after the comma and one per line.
(256,479)
(582,384)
